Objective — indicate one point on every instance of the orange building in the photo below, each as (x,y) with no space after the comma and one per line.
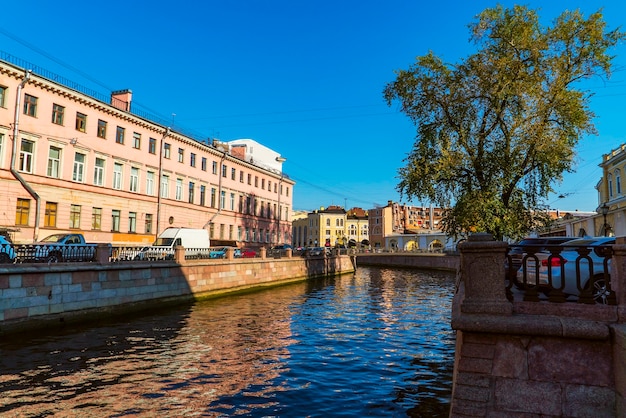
(70,161)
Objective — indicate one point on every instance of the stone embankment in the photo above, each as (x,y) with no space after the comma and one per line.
(43,295)
(432,261)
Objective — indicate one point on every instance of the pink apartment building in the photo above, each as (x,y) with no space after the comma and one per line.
(72,162)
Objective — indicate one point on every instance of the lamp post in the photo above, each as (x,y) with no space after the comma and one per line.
(280,160)
(604,210)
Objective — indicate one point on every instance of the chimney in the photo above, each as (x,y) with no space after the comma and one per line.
(121,99)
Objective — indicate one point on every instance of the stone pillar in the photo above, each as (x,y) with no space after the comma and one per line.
(289,252)
(179,254)
(483,273)
(618,276)
(263,253)
(230,253)
(103,253)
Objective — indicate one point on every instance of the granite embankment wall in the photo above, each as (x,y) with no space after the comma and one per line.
(432,261)
(38,295)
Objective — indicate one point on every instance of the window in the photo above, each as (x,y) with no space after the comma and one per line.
(232,201)
(250,179)
(256,181)
(115,220)
(203,164)
(81,122)
(202,195)
(179,189)
(21,212)
(57,114)
(150,183)
(102,129)
(119,135)
(213,191)
(241,176)
(26,156)
(618,182)
(224,169)
(287,191)
(132,222)
(223,199)
(30,105)
(152,146)
(192,159)
(75,216)
(136,140)
(78,172)
(165,184)
(167,150)
(98,172)
(3,96)
(117,176)
(214,168)
(134,179)
(96,218)
(54,161)
(610,178)
(181,155)
(233,173)
(191,191)
(50,215)
(148,223)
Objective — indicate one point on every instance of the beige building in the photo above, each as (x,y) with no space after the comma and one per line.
(71,161)
(331,227)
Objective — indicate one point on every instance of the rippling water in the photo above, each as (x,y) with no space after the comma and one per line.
(376,343)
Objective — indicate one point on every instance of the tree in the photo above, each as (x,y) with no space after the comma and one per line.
(496,131)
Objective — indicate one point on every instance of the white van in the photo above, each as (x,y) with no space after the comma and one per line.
(195,241)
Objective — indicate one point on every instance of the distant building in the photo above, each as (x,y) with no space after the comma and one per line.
(398,226)
(331,227)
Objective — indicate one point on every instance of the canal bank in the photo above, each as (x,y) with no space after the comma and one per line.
(35,296)
(429,261)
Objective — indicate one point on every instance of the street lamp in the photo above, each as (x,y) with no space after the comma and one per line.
(280,160)
(604,210)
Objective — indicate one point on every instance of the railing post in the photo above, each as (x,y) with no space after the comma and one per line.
(103,252)
(618,276)
(288,252)
(483,274)
(230,253)
(263,253)
(179,254)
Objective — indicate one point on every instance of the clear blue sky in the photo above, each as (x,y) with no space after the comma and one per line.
(304,78)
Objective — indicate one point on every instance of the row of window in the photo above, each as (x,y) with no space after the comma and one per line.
(246,205)
(23,209)
(58,118)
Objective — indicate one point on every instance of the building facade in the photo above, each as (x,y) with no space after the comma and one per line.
(73,162)
(331,227)
(388,224)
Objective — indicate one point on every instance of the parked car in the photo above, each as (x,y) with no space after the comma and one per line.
(317,251)
(562,269)
(539,247)
(246,253)
(7,253)
(59,247)
(219,252)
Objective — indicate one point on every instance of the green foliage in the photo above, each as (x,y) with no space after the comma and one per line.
(498,129)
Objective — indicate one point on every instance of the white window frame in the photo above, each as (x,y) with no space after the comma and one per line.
(78,170)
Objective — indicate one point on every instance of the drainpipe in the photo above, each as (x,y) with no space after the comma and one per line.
(16,174)
(219,192)
(158,214)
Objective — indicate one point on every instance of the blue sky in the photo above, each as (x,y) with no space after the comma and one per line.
(304,78)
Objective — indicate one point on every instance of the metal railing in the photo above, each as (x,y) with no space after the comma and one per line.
(560,273)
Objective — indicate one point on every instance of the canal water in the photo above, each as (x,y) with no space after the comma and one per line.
(374,343)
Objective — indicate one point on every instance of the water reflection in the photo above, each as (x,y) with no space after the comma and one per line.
(374,343)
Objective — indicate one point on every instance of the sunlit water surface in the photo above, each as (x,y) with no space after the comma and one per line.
(376,343)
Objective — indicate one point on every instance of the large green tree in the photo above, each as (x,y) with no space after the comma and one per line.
(496,131)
